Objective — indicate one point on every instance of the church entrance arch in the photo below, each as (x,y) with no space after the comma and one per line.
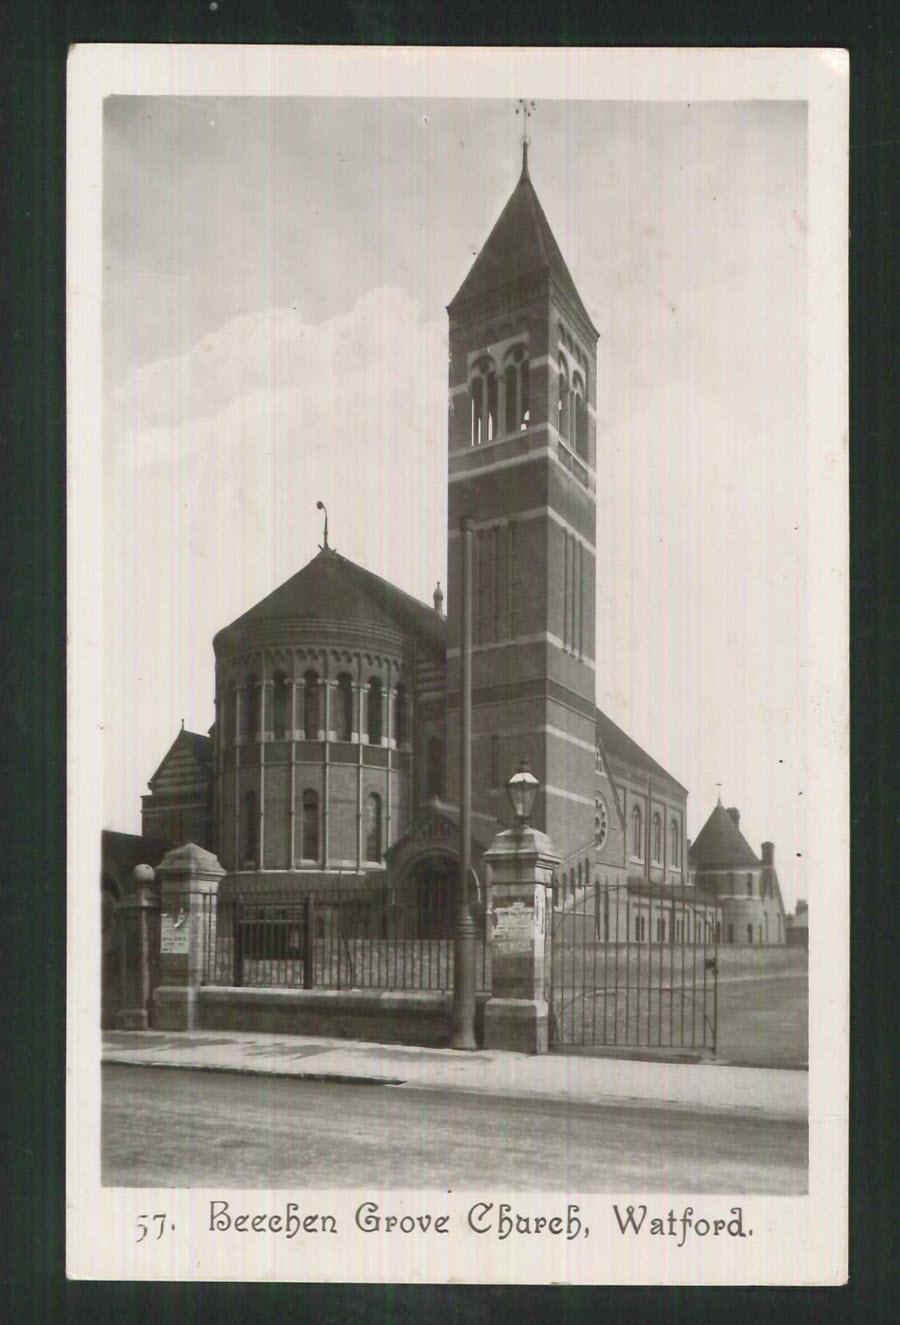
(428,889)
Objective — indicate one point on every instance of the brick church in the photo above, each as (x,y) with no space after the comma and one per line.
(334,753)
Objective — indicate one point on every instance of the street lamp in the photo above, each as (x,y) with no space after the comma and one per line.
(522,788)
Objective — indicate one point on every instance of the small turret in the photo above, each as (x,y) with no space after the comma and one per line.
(439,599)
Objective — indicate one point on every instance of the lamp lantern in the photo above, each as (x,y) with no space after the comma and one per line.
(522,788)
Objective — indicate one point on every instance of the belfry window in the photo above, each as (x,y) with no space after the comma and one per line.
(311,706)
(309,826)
(373,826)
(375,722)
(562,423)
(578,417)
(344,707)
(483,395)
(516,412)
(280,695)
(251,708)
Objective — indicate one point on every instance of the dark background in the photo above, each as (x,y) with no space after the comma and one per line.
(34,37)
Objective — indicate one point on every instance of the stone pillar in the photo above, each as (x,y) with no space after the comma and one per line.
(139,919)
(520,863)
(188,881)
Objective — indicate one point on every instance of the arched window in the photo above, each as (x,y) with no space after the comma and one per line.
(483,395)
(231,714)
(674,846)
(401,717)
(579,874)
(250,828)
(749,933)
(373,826)
(578,417)
(375,725)
(563,407)
(344,715)
(280,696)
(657,838)
(309,826)
(516,414)
(250,710)
(749,885)
(311,703)
(435,780)
(636,835)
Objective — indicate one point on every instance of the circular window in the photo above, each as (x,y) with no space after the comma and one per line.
(601,821)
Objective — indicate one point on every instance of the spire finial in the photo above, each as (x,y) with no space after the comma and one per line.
(719,801)
(320,506)
(525,108)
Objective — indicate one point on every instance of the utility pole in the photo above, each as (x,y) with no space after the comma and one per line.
(463,1024)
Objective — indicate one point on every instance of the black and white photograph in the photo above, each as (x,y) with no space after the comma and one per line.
(458,665)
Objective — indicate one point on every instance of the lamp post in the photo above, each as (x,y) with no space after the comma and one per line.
(462,1035)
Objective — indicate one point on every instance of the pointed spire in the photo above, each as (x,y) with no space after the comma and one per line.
(524,108)
(524,175)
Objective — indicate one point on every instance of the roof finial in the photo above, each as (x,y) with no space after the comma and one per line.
(182,724)
(525,108)
(719,801)
(320,506)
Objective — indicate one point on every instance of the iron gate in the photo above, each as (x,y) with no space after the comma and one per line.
(634,966)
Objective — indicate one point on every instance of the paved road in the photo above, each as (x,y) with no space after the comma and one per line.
(164,1127)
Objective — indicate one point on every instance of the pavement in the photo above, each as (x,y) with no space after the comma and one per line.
(769,1092)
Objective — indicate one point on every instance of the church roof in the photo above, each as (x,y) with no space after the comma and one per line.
(618,745)
(332,588)
(520,245)
(194,744)
(720,844)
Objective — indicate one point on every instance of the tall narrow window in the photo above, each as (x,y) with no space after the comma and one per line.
(231,714)
(657,838)
(579,875)
(749,933)
(344,707)
(401,719)
(250,828)
(435,783)
(309,827)
(476,393)
(674,846)
(250,708)
(373,826)
(636,838)
(311,706)
(749,885)
(495,582)
(515,390)
(578,408)
(495,762)
(280,695)
(512,583)
(375,716)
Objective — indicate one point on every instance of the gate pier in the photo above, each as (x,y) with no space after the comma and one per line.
(520,863)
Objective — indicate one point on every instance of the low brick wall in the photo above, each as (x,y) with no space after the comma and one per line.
(381,1017)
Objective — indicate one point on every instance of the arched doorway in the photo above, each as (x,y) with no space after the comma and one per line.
(428,891)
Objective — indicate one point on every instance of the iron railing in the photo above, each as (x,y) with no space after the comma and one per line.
(338,937)
(634,966)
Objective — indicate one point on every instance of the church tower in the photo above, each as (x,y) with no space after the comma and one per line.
(522,464)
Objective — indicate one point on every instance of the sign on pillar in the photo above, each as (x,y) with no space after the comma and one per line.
(521,862)
(188,879)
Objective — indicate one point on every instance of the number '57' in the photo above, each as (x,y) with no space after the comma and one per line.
(144,1229)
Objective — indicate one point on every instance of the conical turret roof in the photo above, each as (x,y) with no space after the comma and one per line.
(520,245)
(720,844)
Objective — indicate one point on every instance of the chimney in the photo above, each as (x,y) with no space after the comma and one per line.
(735,815)
(768,854)
(439,599)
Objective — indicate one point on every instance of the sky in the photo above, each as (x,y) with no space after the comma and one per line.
(275,279)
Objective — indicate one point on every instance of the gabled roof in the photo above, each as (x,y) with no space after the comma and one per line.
(330,587)
(520,245)
(618,745)
(485,827)
(198,746)
(720,844)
